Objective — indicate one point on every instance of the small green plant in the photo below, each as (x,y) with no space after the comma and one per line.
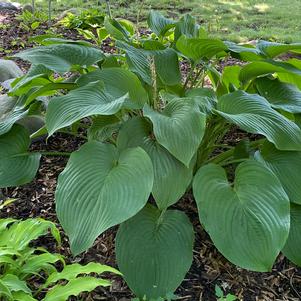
(30,21)
(221,296)
(20,263)
(87,20)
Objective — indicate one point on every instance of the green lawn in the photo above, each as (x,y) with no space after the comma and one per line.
(235,20)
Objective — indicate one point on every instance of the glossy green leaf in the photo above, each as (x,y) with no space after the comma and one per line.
(254,114)
(179,128)
(72,271)
(85,101)
(21,296)
(14,284)
(21,233)
(74,288)
(248,220)
(266,67)
(154,251)
(205,98)
(115,29)
(272,49)
(244,52)
(280,95)
(62,57)
(117,82)
(166,63)
(171,177)
(286,165)
(197,49)
(17,165)
(158,23)
(103,127)
(9,113)
(292,247)
(5,292)
(34,264)
(101,188)
(187,26)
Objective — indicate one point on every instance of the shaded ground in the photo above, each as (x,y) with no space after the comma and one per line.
(209,267)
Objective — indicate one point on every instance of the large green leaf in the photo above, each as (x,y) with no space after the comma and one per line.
(17,165)
(292,247)
(197,49)
(179,128)
(248,220)
(280,95)
(205,98)
(62,57)
(74,288)
(101,188)
(117,82)
(187,26)
(166,63)
(286,165)
(154,251)
(244,52)
(85,101)
(254,114)
(265,67)
(14,284)
(272,49)
(9,113)
(171,177)
(158,23)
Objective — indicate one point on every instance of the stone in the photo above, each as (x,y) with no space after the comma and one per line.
(8,5)
(27,7)
(8,70)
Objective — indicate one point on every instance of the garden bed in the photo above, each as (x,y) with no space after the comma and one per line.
(209,267)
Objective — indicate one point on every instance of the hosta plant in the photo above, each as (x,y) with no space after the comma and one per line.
(153,133)
(20,263)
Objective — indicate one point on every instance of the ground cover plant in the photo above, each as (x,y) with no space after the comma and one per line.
(150,131)
(21,262)
(238,20)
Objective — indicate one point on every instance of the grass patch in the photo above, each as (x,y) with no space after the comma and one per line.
(276,20)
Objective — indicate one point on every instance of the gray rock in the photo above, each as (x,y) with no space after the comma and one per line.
(28,7)
(9,70)
(8,5)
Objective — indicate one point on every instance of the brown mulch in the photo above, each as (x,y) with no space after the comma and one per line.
(209,267)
